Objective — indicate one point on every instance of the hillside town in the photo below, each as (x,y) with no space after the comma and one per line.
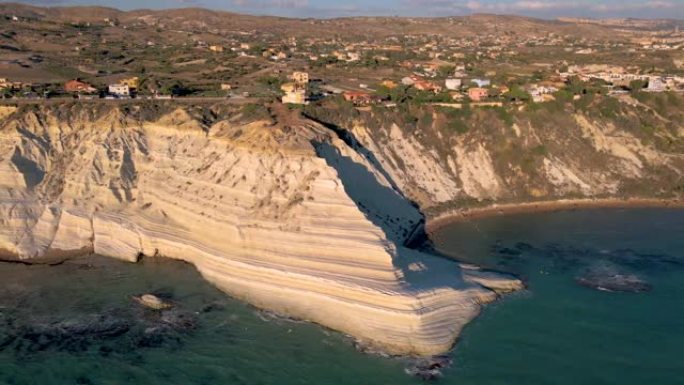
(483,69)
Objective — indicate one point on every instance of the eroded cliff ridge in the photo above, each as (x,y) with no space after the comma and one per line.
(449,160)
(277,211)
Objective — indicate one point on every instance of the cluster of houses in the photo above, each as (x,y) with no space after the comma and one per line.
(480,91)
(618,76)
(482,46)
(244,50)
(124,89)
(6,84)
(17,88)
(336,50)
(477,90)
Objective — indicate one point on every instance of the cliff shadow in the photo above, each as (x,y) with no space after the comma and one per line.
(30,170)
(399,219)
(350,140)
(381,204)
(415,236)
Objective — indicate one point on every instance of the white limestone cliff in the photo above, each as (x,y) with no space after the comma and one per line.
(285,217)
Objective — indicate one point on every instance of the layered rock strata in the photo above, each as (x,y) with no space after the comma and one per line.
(533,157)
(261,210)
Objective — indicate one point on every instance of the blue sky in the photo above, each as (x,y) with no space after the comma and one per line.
(327,8)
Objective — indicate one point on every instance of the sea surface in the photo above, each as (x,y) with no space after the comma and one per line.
(604,305)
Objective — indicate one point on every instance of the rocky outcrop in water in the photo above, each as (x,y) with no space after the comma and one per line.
(116,330)
(615,282)
(286,216)
(429,369)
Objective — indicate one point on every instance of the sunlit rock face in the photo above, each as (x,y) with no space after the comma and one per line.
(526,156)
(284,216)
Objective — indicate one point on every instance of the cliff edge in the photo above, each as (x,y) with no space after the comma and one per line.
(277,211)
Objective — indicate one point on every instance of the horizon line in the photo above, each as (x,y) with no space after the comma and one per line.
(204,8)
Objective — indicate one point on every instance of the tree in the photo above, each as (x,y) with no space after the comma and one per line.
(176,89)
(538,76)
(637,85)
(518,94)
(563,95)
(445,71)
(383,92)
(579,87)
(271,81)
(400,94)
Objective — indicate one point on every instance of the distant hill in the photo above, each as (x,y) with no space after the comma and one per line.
(643,24)
(199,19)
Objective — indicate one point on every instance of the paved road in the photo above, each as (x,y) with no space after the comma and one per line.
(52,101)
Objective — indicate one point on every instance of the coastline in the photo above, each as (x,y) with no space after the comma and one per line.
(439,221)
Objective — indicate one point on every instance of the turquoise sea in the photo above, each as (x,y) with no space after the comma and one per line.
(604,305)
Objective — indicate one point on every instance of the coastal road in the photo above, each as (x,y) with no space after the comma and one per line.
(186,100)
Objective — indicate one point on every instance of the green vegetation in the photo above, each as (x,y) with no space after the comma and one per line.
(253,112)
(505,115)
(579,87)
(426,120)
(272,82)
(637,85)
(176,88)
(563,96)
(517,94)
(456,119)
(609,108)
(647,129)
(540,150)
(406,94)
(445,71)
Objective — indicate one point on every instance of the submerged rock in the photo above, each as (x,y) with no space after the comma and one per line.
(152,301)
(429,369)
(73,335)
(114,330)
(615,282)
(179,320)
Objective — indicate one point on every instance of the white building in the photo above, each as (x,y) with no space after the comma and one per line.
(542,94)
(297,96)
(407,81)
(353,56)
(121,90)
(482,82)
(453,84)
(656,84)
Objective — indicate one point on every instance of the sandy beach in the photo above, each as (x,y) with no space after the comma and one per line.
(446,218)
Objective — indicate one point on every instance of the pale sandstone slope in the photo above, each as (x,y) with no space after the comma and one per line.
(590,158)
(259,209)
